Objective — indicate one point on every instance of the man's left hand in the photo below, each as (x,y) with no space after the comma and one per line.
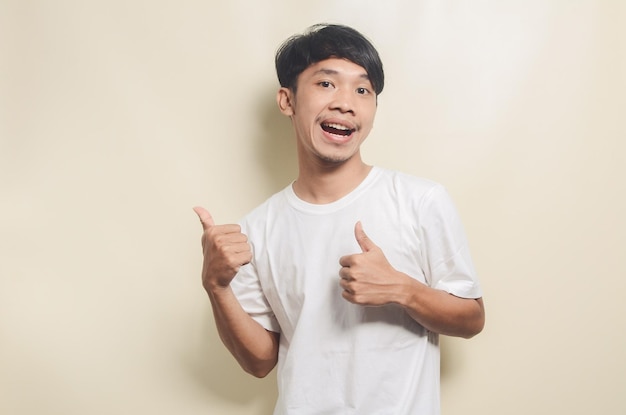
(367,278)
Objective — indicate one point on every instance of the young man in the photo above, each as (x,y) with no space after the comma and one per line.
(346,277)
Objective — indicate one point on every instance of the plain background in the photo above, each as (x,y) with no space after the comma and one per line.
(118,116)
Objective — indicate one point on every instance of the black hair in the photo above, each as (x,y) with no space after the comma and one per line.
(324,41)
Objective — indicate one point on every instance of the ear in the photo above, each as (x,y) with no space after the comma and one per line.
(284,98)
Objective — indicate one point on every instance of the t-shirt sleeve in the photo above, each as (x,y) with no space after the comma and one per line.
(247,288)
(449,266)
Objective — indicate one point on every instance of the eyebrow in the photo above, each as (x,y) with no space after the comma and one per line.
(326,71)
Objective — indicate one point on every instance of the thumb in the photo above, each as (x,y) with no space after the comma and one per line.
(364,241)
(205,217)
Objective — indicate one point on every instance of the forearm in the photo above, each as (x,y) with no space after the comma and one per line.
(255,348)
(441,312)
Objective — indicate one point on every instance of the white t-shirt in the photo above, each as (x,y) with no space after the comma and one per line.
(336,357)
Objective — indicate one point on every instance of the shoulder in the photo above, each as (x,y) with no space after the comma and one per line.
(407,186)
(271,207)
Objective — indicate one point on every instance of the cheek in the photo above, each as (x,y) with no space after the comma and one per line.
(368,121)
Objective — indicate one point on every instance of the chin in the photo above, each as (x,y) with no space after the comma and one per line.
(334,158)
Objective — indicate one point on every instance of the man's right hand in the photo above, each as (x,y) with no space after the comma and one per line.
(225,250)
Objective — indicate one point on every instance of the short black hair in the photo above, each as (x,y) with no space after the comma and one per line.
(323,41)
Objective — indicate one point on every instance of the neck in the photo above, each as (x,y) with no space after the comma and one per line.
(325,182)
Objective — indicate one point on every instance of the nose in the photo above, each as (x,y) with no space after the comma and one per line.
(343,101)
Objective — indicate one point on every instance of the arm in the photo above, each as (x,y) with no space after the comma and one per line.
(255,348)
(440,311)
(225,250)
(368,279)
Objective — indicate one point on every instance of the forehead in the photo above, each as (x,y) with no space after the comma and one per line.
(337,68)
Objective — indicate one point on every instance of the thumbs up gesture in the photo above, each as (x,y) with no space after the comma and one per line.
(225,250)
(367,278)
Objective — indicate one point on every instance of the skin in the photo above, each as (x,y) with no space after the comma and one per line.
(337,93)
(332,91)
(225,250)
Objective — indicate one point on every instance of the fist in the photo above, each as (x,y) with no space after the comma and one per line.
(367,278)
(225,250)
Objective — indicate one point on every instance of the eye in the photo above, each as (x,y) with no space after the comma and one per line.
(362,91)
(325,84)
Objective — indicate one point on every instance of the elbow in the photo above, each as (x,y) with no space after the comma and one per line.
(259,374)
(260,362)
(474,329)
(260,366)
(477,323)
(259,370)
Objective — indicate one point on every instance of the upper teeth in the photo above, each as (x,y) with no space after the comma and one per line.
(337,126)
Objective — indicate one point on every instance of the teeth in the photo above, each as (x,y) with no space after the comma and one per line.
(337,126)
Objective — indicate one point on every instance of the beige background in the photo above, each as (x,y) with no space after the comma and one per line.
(118,116)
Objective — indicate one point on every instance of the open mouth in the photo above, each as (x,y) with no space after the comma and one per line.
(337,129)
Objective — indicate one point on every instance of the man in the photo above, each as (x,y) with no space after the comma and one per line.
(345,278)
